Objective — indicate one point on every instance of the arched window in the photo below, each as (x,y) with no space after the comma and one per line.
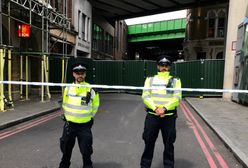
(219,55)
(221,23)
(211,23)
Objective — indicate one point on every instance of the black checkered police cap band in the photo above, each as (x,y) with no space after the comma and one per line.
(163,61)
(78,68)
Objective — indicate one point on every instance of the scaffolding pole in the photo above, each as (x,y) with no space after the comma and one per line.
(42,58)
(10,103)
(1,26)
(44,11)
(49,17)
(21,77)
(27,78)
(42,80)
(1,79)
(46,63)
(62,74)
(47,75)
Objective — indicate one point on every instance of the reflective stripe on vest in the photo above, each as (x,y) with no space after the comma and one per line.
(75,109)
(78,114)
(161,97)
(166,114)
(158,95)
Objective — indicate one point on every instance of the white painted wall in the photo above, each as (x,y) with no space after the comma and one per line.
(83,43)
(234,19)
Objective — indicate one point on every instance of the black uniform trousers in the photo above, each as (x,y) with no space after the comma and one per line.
(153,124)
(84,137)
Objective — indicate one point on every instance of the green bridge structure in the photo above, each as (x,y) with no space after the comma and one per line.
(148,40)
(162,30)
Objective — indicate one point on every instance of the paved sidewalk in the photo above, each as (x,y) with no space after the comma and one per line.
(27,110)
(229,120)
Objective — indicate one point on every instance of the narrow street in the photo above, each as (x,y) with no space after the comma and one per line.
(118,143)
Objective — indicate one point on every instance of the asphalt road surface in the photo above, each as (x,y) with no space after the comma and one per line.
(117,143)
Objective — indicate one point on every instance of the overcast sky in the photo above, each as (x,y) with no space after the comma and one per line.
(158,17)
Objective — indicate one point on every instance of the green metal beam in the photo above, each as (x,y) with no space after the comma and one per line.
(164,36)
(169,29)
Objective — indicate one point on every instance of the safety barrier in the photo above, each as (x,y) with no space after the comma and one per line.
(200,74)
(124,87)
(194,74)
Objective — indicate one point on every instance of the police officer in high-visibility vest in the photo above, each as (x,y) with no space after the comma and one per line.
(161,106)
(80,105)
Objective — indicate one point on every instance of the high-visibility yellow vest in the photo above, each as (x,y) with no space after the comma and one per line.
(80,104)
(159,97)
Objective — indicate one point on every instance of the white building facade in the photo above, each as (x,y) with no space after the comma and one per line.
(82,21)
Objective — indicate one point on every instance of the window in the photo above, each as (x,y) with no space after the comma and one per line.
(211,24)
(117,35)
(219,55)
(97,43)
(108,44)
(221,24)
(79,25)
(216,23)
(65,8)
(94,40)
(59,6)
(88,30)
(84,21)
(201,55)
(120,36)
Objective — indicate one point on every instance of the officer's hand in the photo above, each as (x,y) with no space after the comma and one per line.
(162,116)
(159,111)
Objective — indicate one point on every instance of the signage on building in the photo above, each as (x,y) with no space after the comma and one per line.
(82,45)
(23,30)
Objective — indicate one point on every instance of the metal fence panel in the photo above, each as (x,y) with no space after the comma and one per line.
(133,74)
(193,74)
(213,74)
(200,74)
(150,68)
(55,68)
(109,72)
(190,75)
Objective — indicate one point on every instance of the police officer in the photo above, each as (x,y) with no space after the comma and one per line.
(161,115)
(80,104)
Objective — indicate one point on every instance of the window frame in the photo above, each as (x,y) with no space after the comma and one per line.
(214,20)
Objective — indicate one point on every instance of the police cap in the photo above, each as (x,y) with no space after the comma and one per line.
(78,67)
(164,60)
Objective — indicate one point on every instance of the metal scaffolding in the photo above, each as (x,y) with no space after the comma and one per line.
(45,10)
(49,17)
